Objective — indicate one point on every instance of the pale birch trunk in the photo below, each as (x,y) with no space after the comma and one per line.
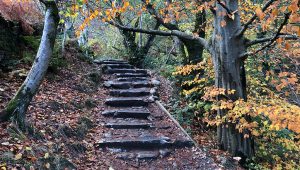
(17,107)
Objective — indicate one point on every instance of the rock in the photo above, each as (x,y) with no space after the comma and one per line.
(155,82)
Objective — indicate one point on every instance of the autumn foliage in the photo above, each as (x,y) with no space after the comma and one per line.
(274,121)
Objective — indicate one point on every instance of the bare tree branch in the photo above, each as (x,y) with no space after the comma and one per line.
(247,24)
(263,40)
(273,39)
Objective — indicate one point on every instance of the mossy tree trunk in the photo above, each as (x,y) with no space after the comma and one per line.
(137,53)
(194,48)
(230,75)
(18,106)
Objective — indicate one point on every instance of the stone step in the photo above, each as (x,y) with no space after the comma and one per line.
(144,142)
(126,102)
(144,154)
(116,66)
(127,113)
(136,75)
(128,125)
(140,155)
(137,92)
(110,62)
(132,79)
(127,84)
(113,71)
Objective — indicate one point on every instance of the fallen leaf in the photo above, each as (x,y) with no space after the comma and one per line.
(18,156)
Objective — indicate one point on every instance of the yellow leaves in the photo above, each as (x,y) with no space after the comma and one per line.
(126,4)
(212,92)
(260,13)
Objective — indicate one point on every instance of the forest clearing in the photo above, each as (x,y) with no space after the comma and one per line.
(149,84)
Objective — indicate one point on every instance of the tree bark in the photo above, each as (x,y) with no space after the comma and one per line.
(194,48)
(18,106)
(230,75)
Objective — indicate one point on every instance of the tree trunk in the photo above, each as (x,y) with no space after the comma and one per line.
(194,48)
(230,75)
(68,33)
(17,107)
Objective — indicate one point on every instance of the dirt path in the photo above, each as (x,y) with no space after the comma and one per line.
(136,131)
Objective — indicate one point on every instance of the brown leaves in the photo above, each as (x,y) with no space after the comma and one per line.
(260,13)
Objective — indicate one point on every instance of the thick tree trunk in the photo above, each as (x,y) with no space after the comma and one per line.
(230,74)
(17,107)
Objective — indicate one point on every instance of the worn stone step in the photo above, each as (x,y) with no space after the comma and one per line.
(132,79)
(127,84)
(128,125)
(112,71)
(126,102)
(116,66)
(136,75)
(128,113)
(144,142)
(137,92)
(110,62)
(149,154)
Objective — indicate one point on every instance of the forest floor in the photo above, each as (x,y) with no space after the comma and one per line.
(64,114)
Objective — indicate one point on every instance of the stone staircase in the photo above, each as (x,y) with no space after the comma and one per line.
(137,129)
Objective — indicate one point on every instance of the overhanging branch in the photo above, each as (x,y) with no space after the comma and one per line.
(177,33)
(263,40)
